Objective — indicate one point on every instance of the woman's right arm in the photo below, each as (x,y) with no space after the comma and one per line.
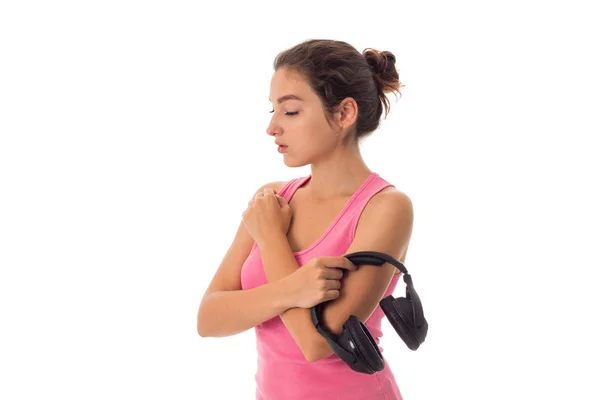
(225,308)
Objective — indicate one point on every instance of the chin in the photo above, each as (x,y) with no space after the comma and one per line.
(289,162)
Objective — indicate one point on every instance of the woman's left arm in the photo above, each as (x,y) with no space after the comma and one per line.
(384,226)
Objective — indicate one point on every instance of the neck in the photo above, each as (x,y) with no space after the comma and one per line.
(340,175)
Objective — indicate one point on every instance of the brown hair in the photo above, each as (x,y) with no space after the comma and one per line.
(336,70)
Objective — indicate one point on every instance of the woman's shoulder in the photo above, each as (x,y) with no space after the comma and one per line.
(277,186)
(390,198)
(388,193)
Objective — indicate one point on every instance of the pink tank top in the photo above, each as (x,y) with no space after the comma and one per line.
(282,371)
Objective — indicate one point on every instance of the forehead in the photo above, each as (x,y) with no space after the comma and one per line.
(285,81)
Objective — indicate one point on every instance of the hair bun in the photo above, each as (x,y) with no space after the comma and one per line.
(383,66)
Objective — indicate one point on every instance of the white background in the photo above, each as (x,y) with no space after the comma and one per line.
(133,136)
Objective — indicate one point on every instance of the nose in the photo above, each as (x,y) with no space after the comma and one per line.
(274,128)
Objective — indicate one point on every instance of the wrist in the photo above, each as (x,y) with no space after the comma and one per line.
(284,297)
(273,239)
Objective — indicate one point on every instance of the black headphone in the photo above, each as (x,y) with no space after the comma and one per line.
(355,346)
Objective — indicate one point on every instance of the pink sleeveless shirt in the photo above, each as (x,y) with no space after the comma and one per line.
(282,371)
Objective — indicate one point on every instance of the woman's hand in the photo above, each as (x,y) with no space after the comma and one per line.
(268,214)
(318,280)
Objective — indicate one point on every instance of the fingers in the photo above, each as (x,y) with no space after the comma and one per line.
(265,193)
(333,273)
(269,192)
(282,202)
(338,262)
(332,284)
(331,295)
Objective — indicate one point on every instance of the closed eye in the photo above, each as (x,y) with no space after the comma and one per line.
(287,113)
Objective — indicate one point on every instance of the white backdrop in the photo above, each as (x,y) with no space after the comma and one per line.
(133,136)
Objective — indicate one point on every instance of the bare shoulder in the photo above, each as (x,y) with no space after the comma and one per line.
(387,217)
(395,198)
(389,209)
(276,186)
(390,201)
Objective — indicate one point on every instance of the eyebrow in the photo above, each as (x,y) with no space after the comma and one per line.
(287,97)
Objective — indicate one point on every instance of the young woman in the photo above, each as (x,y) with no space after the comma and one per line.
(287,255)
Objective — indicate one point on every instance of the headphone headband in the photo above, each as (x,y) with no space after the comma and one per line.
(361,258)
(377,258)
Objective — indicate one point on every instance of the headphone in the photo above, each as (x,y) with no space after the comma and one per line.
(355,346)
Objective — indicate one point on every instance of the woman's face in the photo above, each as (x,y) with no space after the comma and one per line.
(298,120)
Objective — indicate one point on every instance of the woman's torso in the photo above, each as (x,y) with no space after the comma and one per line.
(317,229)
(311,218)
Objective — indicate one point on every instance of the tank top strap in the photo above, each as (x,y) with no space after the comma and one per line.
(288,190)
(375,185)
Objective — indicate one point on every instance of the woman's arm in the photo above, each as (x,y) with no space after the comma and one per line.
(229,312)
(278,263)
(385,226)
(225,308)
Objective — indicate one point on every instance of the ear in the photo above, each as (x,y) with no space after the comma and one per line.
(347,113)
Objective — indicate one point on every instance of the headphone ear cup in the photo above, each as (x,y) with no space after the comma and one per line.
(400,314)
(367,349)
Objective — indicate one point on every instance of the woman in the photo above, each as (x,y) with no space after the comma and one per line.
(287,255)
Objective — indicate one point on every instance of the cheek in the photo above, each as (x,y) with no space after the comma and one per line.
(310,132)
(317,126)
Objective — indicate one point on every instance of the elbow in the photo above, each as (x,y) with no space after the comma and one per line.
(318,348)
(309,355)
(312,357)
(200,329)
(317,351)
(201,333)
(201,326)
(205,326)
